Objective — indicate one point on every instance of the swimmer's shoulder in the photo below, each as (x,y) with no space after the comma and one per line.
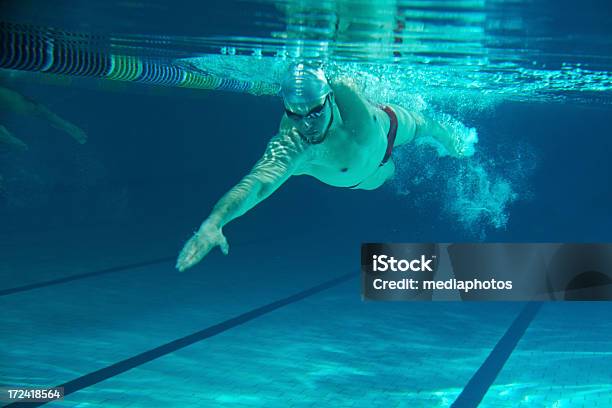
(287,145)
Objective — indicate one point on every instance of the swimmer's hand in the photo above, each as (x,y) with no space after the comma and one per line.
(208,236)
(75,132)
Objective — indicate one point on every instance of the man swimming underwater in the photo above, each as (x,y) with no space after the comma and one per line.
(11,101)
(330,132)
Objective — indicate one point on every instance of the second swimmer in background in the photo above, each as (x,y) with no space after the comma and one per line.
(11,101)
(330,132)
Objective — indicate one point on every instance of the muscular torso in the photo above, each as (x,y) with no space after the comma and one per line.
(352,152)
(345,157)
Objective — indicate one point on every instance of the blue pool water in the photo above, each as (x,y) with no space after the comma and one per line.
(89,234)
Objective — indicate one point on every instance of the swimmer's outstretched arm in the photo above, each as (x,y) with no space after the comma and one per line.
(282,156)
(17,103)
(8,140)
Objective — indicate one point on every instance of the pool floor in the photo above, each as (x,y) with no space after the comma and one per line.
(325,347)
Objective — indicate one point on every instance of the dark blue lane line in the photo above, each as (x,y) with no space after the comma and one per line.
(58,281)
(10,291)
(481,381)
(147,356)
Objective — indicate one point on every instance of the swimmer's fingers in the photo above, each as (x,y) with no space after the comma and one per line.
(224,247)
(80,136)
(222,242)
(193,252)
(213,233)
(199,246)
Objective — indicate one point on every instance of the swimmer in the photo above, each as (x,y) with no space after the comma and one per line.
(331,132)
(11,101)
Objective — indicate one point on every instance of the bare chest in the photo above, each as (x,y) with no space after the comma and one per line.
(341,160)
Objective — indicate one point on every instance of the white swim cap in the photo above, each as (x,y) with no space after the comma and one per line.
(304,87)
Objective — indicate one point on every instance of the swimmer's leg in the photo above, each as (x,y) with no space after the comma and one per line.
(17,103)
(7,139)
(406,125)
(457,140)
